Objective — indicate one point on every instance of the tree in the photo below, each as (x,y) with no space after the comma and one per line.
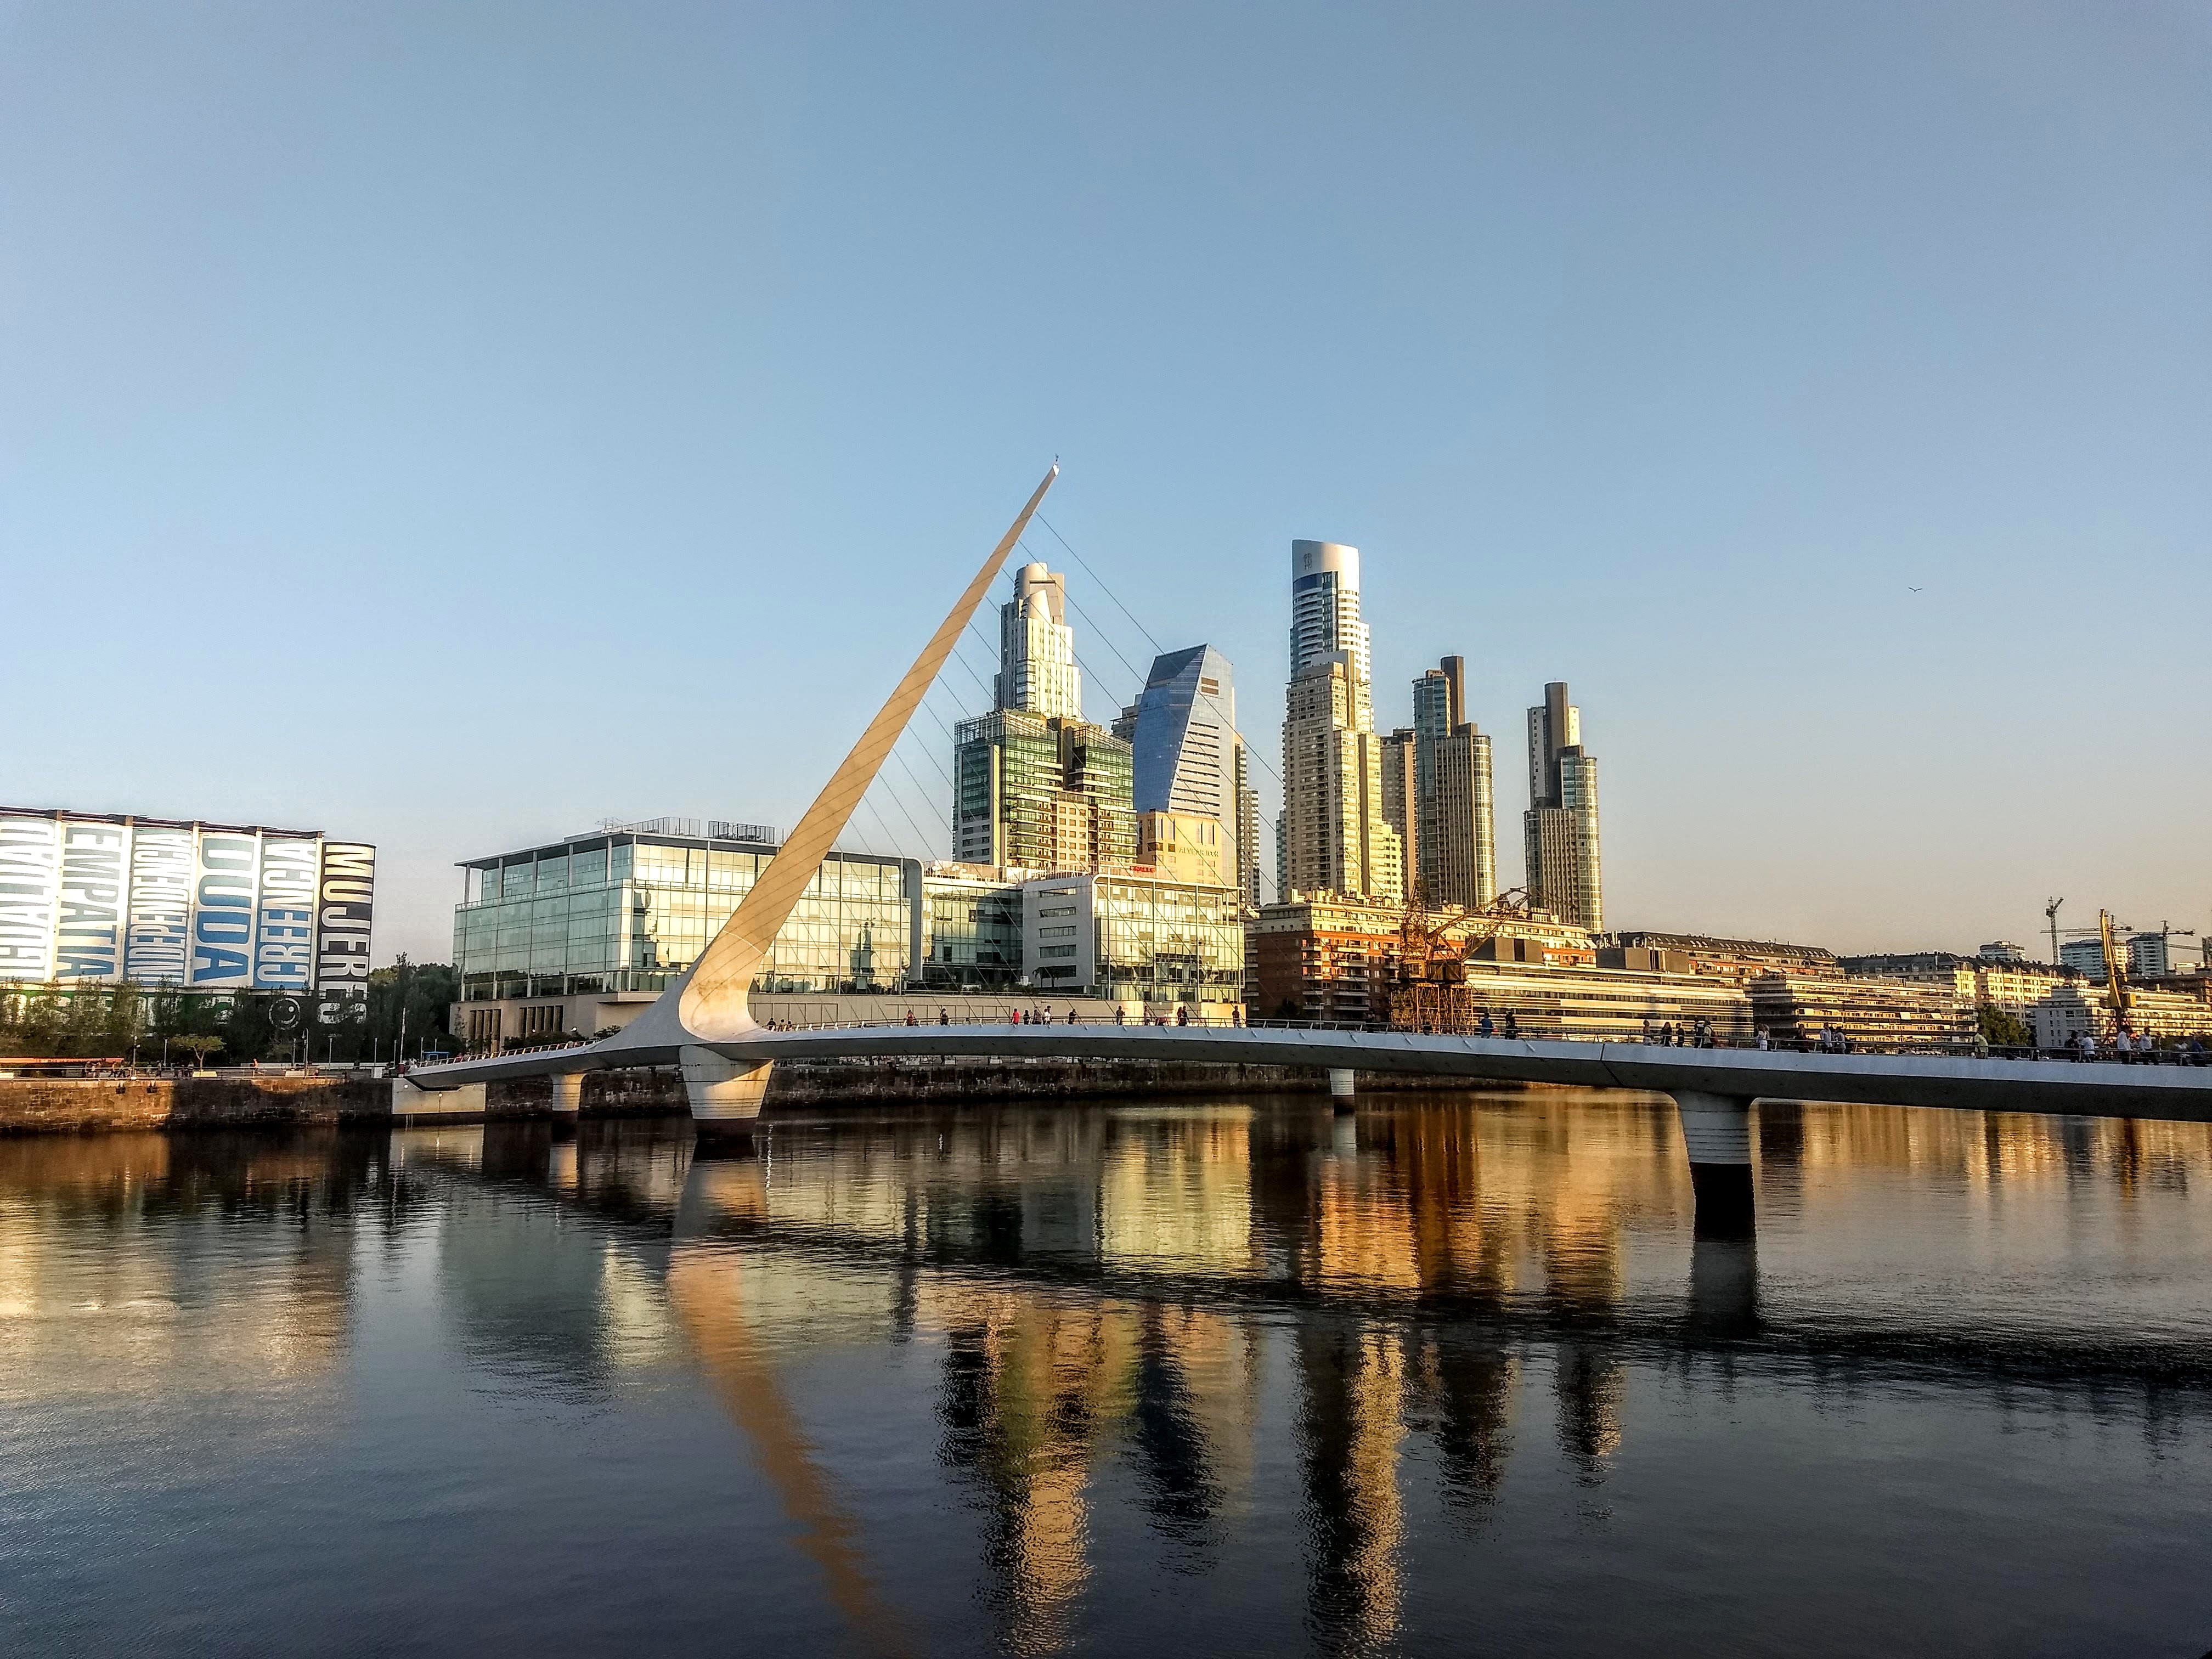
(2002,1028)
(425,991)
(199,1044)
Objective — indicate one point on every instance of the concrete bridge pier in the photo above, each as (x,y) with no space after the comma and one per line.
(1716,1133)
(567,1095)
(726,1097)
(1340,1089)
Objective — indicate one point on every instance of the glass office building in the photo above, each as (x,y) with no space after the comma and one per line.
(628,908)
(1134,938)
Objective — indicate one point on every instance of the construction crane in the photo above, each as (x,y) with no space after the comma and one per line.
(2166,931)
(1431,994)
(2116,971)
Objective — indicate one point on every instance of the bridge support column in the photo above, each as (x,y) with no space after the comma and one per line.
(1716,1133)
(567,1095)
(1340,1089)
(726,1097)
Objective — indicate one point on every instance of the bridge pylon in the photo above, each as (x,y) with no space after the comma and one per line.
(1716,1135)
(712,1002)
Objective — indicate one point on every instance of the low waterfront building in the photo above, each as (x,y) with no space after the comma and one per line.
(972,922)
(578,935)
(1611,1004)
(1702,953)
(1143,941)
(2081,1009)
(1796,1007)
(2011,985)
(1333,957)
(93,898)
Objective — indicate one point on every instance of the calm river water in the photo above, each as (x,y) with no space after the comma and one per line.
(1168,1378)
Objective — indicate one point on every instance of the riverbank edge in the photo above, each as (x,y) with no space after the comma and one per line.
(32,1106)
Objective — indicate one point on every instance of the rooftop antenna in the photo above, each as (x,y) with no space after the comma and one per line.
(2050,916)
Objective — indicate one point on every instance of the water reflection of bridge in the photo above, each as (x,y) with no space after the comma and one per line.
(1168,1295)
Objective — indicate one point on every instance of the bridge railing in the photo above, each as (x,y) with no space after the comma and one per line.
(1552,1031)
(2179,1055)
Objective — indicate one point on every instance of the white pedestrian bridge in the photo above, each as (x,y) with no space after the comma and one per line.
(703,1024)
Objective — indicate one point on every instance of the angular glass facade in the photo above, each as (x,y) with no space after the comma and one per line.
(629,911)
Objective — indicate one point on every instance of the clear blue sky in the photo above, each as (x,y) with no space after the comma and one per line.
(453,425)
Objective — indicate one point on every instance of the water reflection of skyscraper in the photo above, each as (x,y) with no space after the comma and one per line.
(1352,1381)
(1032,1255)
(1029,1385)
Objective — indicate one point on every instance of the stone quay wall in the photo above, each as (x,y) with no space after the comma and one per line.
(89,1105)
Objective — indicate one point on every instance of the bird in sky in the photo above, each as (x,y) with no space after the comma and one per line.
(1912,590)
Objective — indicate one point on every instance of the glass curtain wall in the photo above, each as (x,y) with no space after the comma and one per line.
(631,913)
(1162,942)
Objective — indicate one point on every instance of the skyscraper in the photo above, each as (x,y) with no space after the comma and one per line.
(1333,836)
(1190,757)
(1456,837)
(1559,832)
(1038,672)
(1034,785)
(1325,614)
(1401,796)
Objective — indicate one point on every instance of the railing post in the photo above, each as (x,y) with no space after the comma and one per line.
(1716,1135)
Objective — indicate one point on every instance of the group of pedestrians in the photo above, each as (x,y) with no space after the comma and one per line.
(2129,1048)
(1690,1034)
(1043,1015)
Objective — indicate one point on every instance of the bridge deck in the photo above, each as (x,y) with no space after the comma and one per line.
(2085,1089)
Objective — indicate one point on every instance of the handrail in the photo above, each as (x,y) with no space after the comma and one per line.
(2177,1055)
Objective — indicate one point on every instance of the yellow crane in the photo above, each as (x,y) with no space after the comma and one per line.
(2115,969)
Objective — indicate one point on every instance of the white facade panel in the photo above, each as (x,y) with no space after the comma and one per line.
(95,902)
(158,934)
(226,885)
(30,890)
(345,915)
(284,924)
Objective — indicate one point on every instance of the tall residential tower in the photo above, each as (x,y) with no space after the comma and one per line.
(1034,785)
(1559,833)
(1456,839)
(1335,835)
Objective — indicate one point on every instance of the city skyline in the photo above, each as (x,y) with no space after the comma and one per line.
(1575,439)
